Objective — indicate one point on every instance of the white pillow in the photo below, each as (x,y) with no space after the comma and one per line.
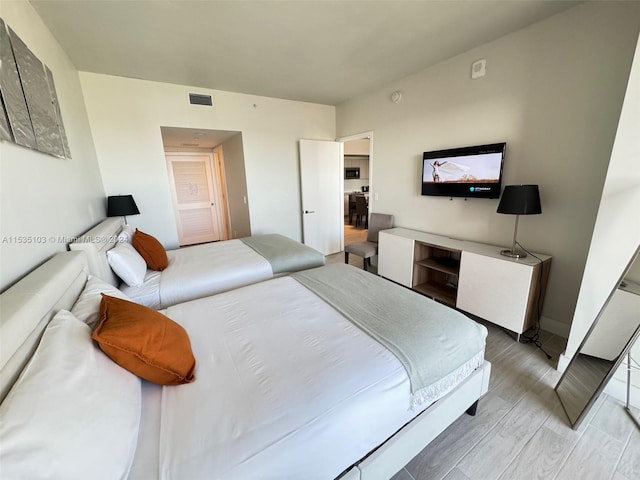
(73,413)
(126,235)
(87,306)
(127,263)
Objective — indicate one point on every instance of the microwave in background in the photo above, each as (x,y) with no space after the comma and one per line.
(351,173)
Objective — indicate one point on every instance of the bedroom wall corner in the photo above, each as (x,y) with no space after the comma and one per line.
(236,187)
(44,200)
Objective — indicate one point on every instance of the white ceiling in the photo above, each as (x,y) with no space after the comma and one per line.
(316,51)
(194,137)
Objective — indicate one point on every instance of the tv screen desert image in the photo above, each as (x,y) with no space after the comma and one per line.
(483,168)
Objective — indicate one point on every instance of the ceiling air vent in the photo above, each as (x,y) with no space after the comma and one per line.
(198,99)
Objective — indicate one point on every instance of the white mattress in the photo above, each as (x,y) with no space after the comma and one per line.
(200,271)
(310,408)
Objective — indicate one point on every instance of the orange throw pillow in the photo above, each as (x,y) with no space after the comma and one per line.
(145,342)
(151,250)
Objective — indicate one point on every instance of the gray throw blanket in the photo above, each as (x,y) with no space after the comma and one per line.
(284,254)
(430,340)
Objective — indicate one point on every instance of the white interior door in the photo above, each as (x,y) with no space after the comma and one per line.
(321,181)
(194,198)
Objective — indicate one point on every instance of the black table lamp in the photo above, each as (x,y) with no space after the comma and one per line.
(519,200)
(121,206)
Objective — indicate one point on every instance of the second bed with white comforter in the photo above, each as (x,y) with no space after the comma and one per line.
(196,272)
(200,270)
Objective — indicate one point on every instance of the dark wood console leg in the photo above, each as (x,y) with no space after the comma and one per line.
(346,257)
(473,409)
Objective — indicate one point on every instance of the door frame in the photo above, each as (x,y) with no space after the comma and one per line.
(223,202)
(222,216)
(360,136)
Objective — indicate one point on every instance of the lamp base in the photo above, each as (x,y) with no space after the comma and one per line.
(513,253)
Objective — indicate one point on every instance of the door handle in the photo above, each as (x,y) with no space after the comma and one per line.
(309,211)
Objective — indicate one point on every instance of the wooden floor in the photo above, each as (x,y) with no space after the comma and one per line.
(520,431)
(351,235)
(354,234)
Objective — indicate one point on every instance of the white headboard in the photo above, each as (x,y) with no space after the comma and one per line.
(95,244)
(27,307)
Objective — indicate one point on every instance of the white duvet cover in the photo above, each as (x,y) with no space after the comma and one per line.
(199,271)
(286,388)
(148,293)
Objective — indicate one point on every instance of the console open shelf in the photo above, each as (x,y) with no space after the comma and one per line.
(435,271)
(438,291)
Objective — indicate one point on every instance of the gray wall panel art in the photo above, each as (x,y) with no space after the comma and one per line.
(30,98)
(12,94)
(56,108)
(5,132)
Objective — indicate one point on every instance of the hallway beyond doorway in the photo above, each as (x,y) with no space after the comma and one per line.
(353,234)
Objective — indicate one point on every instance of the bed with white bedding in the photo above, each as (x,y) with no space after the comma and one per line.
(200,270)
(286,385)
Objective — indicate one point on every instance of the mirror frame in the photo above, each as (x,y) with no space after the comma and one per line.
(618,361)
(627,406)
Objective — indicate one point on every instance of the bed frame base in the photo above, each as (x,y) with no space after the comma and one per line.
(395,453)
(471,411)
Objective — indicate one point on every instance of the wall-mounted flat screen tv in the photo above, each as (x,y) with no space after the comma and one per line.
(470,172)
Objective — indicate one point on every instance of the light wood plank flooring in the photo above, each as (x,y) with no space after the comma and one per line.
(520,431)
(351,235)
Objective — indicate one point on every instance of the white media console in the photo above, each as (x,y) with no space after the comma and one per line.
(472,277)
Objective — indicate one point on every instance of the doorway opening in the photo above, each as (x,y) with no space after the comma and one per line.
(357,182)
(208,184)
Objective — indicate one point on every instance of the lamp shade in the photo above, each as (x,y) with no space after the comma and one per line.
(520,200)
(121,206)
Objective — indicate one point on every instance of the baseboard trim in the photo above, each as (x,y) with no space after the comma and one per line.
(553,326)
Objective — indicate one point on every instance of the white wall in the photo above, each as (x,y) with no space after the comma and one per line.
(40,195)
(236,186)
(126,114)
(553,91)
(616,235)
